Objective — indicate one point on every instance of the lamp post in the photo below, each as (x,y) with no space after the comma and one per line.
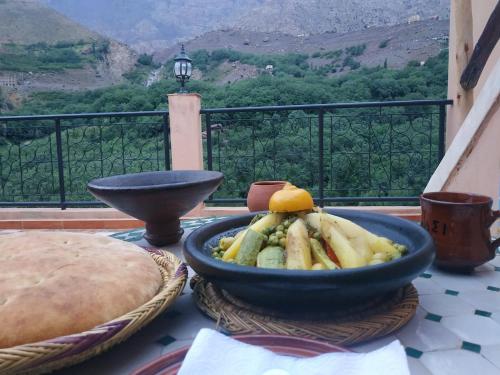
(182,69)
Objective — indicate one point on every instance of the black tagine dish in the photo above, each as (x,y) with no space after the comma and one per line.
(309,289)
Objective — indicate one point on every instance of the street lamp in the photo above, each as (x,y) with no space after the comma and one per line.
(182,69)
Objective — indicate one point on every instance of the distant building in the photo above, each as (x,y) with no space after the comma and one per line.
(8,81)
(269,69)
(414,18)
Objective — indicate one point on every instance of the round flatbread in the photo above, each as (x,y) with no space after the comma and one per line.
(59,283)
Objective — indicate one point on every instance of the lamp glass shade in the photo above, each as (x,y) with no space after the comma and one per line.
(177,69)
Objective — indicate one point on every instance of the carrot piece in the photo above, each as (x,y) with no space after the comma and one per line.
(331,254)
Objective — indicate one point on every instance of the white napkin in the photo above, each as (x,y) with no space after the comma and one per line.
(214,353)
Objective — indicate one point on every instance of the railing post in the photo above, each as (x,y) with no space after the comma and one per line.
(60,164)
(320,155)
(185,131)
(185,136)
(208,124)
(166,141)
(442,129)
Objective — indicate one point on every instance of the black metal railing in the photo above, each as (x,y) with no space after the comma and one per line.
(344,152)
(48,160)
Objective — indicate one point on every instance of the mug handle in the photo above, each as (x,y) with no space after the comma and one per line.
(494,216)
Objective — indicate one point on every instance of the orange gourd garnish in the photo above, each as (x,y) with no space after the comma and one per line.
(291,199)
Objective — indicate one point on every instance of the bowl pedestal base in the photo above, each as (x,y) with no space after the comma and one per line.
(164,233)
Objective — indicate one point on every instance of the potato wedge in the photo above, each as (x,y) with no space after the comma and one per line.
(298,248)
(347,255)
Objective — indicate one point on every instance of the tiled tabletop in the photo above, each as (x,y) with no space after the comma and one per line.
(456,329)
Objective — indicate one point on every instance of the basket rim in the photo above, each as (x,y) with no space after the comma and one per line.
(62,351)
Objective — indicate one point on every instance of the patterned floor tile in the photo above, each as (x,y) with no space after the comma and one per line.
(427,286)
(487,267)
(496,317)
(474,329)
(416,367)
(175,346)
(458,362)
(462,283)
(373,345)
(489,278)
(492,354)
(166,340)
(426,335)
(445,305)
(487,300)
(495,261)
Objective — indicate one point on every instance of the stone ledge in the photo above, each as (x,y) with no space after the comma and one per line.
(109,218)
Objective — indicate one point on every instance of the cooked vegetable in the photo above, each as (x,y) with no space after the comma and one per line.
(225,242)
(355,234)
(318,266)
(294,238)
(271,257)
(298,248)
(283,242)
(239,234)
(320,256)
(347,255)
(385,246)
(250,247)
(270,220)
(331,254)
(291,199)
(365,243)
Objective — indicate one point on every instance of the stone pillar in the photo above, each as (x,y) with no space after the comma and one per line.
(185,136)
(185,131)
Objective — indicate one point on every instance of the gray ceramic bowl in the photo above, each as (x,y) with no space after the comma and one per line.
(299,289)
(157,198)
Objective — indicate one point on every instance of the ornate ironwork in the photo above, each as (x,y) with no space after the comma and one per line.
(49,161)
(350,152)
(379,152)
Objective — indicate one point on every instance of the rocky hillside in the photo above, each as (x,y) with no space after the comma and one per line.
(29,22)
(149,25)
(299,17)
(393,45)
(41,50)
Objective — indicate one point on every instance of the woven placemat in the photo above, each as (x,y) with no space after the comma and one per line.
(375,318)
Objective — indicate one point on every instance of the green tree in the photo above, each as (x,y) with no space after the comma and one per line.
(145,59)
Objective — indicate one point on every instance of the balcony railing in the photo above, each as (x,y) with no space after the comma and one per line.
(345,152)
(48,160)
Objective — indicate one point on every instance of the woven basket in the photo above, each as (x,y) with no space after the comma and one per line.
(374,318)
(49,355)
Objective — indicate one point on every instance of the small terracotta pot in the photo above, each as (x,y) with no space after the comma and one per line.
(260,192)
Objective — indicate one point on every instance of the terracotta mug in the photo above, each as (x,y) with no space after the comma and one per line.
(260,192)
(460,224)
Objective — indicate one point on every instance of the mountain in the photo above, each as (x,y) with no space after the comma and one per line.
(29,22)
(148,25)
(43,50)
(394,46)
(307,17)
